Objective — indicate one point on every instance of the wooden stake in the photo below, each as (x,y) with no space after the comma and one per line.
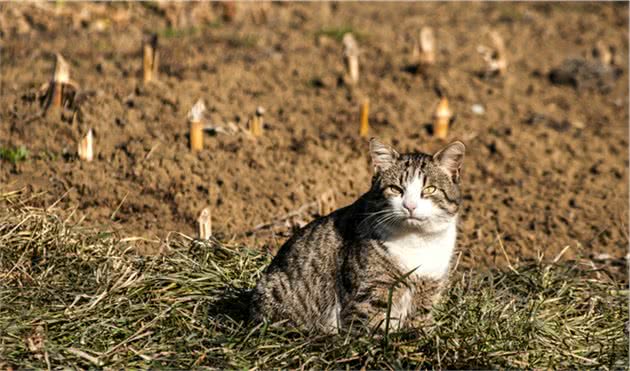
(150,58)
(351,56)
(365,125)
(86,150)
(205,224)
(441,119)
(61,76)
(195,118)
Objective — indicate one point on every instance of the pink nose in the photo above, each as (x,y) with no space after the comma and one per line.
(409,205)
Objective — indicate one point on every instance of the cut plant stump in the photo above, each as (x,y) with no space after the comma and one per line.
(351,57)
(365,125)
(195,118)
(205,224)
(86,150)
(150,58)
(441,119)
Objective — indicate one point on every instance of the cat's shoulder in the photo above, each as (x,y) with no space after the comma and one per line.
(321,228)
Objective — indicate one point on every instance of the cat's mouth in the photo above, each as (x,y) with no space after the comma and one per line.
(416,220)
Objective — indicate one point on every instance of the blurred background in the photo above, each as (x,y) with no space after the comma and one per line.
(537,91)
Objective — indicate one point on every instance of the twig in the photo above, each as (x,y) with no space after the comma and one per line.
(84,355)
(119,206)
(151,151)
(459,256)
(506,255)
(557,258)
(282,218)
(59,199)
(439,359)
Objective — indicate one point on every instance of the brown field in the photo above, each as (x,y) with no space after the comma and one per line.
(546,167)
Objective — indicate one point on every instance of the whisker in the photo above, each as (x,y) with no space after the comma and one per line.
(376,214)
(386,221)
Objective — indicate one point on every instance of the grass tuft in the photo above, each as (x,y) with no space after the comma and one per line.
(70,297)
(337,32)
(14,155)
(242,40)
(172,32)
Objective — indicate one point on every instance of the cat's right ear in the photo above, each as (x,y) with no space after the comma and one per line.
(383,156)
(450,159)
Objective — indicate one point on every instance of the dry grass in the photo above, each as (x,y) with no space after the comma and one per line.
(70,297)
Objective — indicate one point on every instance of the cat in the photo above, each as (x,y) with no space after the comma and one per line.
(337,271)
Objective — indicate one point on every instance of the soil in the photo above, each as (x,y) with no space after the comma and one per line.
(546,164)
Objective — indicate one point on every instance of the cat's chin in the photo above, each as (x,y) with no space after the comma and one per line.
(415,224)
(419,222)
(425,225)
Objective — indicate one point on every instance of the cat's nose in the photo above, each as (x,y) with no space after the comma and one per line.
(410,205)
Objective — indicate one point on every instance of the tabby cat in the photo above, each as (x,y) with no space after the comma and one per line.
(337,271)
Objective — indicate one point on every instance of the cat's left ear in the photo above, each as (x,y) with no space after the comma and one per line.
(450,158)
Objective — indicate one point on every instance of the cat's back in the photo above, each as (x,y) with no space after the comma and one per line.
(319,240)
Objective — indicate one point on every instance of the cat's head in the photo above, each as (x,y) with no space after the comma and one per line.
(415,190)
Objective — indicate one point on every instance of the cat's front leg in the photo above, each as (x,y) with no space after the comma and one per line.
(427,293)
(371,307)
(421,321)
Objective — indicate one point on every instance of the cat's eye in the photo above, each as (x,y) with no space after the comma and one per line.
(429,190)
(393,191)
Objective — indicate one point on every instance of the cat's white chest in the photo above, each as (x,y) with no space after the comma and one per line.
(430,256)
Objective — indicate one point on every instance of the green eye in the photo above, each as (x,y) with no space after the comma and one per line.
(429,190)
(393,191)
